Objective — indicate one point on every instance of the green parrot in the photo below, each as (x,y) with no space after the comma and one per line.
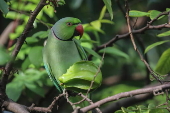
(66,61)
(61,50)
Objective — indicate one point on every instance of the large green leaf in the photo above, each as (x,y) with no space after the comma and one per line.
(35,56)
(167,33)
(4,7)
(14,90)
(135,13)
(163,65)
(108,4)
(4,56)
(114,51)
(155,44)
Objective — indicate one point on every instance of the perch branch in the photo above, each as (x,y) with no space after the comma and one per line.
(18,108)
(126,94)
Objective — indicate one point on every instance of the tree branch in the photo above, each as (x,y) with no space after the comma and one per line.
(155,90)
(126,102)
(138,31)
(20,42)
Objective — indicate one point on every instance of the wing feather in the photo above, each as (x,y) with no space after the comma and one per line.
(56,82)
(80,49)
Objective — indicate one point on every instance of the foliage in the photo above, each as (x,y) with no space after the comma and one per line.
(155,44)
(4,7)
(4,56)
(32,79)
(122,68)
(142,109)
(163,64)
(109,7)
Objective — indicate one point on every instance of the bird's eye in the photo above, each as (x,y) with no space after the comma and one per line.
(69,23)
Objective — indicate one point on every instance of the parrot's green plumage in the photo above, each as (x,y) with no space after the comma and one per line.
(61,51)
(65,59)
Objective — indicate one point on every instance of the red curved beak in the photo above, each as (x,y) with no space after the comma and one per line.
(80,30)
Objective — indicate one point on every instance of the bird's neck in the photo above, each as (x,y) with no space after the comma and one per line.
(60,38)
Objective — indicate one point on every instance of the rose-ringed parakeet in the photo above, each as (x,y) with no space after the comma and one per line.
(61,50)
(65,59)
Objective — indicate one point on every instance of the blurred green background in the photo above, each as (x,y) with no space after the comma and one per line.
(122,68)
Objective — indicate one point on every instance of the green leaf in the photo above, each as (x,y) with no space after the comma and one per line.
(167,9)
(86,41)
(163,64)
(49,11)
(14,90)
(79,76)
(131,108)
(35,56)
(119,111)
(158,110)
(92,29)
(11,15)
(92,52)
(167,33)
(106,21)
(114,51)
(151,106)
(17,33)
(4,56)
(61,2)
(31,40)
(96,24)
(4,7)
(154,14)
(108,4)
(36,89)
(135,13)
(102,12)
(155,44)
(25,64)
(124,110)
(40,34)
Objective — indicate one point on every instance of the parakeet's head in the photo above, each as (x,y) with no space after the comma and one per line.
(66,28)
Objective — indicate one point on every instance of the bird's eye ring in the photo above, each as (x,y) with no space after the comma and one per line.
(69,23)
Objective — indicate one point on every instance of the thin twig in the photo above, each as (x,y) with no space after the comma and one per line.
(129,27)
(90,101)
(46,109)
(134,45)
(91,84)
(96,73)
